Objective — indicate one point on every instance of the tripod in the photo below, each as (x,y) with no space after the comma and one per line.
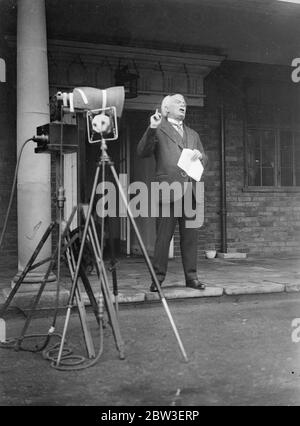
(64,247)
(90,232)
(74,261)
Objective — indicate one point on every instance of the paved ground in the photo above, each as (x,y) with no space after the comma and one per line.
(253,275)
(241,353)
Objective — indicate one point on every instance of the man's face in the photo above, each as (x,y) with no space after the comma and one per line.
(176,107)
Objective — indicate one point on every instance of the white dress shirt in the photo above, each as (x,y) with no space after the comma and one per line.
(178,125)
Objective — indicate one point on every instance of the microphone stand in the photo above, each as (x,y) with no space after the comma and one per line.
(90,230)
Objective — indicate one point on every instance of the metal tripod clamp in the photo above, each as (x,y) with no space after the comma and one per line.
(61,197)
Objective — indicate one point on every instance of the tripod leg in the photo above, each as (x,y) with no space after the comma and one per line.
(76,274)
(83,276)
(53,260)
(27,267)
(105,289)
(83,320)
(89,292)
(35,303)
(113,264)
(81,309)
(149,264)
(45,278)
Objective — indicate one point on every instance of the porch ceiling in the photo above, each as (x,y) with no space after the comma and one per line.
(266,31)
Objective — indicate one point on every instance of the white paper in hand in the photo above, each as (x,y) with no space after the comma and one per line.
(192,168)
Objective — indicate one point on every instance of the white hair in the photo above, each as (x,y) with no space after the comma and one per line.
(165,103)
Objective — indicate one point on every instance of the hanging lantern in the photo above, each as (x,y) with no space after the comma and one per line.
(123,77)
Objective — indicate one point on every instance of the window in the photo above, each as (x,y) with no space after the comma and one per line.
(272,135)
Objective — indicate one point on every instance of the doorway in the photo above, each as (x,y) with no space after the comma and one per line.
(123,152)
(141,170)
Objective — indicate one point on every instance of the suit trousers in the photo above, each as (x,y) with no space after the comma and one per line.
(165,227)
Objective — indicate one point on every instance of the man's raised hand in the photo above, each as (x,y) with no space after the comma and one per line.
(155,119)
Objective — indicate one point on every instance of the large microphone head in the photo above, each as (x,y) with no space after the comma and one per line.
(90,98)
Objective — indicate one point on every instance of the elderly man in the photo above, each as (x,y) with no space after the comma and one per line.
(165,138)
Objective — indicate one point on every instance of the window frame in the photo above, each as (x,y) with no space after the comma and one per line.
(277,127)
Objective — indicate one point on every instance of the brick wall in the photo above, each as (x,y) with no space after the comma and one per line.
(257,222)
(206,123)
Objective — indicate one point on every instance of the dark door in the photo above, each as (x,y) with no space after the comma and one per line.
(123,153)
(142,170)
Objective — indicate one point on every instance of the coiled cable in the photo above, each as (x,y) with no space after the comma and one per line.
(69,361)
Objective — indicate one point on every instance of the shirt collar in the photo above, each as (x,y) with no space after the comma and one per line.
(173,121)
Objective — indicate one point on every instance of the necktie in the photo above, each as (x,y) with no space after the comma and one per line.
(179,128)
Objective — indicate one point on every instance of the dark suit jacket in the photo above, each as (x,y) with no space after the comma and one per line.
(166,144)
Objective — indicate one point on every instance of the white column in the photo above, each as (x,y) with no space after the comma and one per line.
(34,191)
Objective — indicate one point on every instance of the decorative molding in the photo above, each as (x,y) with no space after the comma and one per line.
(77,72)
(161,71)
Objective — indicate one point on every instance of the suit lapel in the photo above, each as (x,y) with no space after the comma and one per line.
(185,137)
(188,138)
(169,130)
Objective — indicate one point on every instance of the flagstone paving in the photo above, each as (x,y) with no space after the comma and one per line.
(253,275)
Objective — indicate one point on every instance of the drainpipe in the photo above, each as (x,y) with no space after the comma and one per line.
(223,211)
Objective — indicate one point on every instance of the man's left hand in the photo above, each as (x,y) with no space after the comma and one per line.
(197,155)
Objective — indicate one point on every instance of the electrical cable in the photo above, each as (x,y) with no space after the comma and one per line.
(78,360)
(61,195)
(69,361)
(60,201)
(13,188)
